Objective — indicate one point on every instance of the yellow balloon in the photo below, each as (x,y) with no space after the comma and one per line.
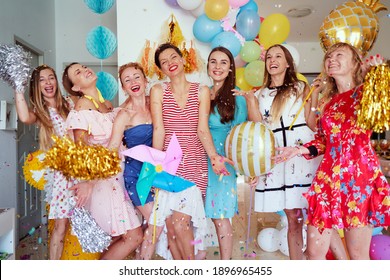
(251,146)
(352,22)
(241,83)
(216,9)
(274,30)
(302,78)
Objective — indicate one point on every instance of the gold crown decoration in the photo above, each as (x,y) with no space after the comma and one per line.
(353,22)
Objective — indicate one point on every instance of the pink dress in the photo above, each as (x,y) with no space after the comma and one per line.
(109,204)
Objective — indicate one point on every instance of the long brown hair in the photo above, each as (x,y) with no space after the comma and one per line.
(41,109)
(289,87)
(67,83)
(225,100)
(330,88)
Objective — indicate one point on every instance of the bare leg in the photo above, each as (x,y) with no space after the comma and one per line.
(184,234)
(57,238)
(122,247)
(317,243)
(174,247)
(145,211)
(294,234)
(358,242)
(148,246)
(225,237)
(337,246)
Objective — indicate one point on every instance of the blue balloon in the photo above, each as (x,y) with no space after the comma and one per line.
(206,29)
(228,40)
(251,5)
(99,6)
(107,85)
(248,24)
(101,42)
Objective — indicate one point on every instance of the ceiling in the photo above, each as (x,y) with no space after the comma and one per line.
(305,29)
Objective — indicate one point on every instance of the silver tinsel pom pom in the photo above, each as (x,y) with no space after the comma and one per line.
(90,235)
(15,66)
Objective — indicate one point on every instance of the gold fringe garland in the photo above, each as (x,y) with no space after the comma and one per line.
(81,161)
(374,112)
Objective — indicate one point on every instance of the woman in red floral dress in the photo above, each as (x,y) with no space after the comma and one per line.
(349,191)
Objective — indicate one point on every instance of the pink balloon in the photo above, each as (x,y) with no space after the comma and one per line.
(239,62)
(380,247)
(237,3)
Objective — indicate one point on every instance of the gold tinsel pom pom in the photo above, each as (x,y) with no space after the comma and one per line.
(81,161)
(374,112)
(34,170)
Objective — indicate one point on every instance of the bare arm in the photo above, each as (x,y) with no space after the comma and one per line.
(252,103)
(156,99)
(118,129)
(311,106)
(25,115)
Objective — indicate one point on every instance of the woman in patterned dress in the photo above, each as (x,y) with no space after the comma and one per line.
(276,105)
(181,107)
(106,199)
(349,190)
(227,111)
(49,111)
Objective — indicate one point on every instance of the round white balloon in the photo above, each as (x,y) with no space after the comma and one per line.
(294,53)
(189,4)
(268,239)
(199,11)
(283,243)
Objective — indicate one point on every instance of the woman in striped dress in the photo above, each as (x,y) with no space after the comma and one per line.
(181,107)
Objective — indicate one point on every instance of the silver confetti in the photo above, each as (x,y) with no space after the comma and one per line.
(15,67)
(90,235)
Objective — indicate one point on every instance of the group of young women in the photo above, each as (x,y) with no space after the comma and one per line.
(344,190)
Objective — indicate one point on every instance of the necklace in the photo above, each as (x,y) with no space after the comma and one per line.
(100,96)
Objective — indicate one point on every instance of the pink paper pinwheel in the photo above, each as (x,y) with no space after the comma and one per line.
(159,168)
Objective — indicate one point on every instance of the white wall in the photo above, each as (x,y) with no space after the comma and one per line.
(32,22)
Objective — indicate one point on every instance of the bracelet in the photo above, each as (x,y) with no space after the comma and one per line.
(299,150)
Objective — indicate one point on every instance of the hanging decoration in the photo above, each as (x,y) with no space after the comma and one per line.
(15,66)
(99,6)
(107,85)
(101,42)
(354,22)
(174,35)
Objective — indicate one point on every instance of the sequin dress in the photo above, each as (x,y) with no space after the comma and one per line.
(109,204)
(284,185)
(221,195)
(349,189)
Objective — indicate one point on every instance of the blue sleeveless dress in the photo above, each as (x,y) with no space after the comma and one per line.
(136,135)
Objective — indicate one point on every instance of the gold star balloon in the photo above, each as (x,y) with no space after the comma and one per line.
(353,22)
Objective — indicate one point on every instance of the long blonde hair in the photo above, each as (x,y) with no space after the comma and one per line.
(289,87)
(40,108)
(330,88)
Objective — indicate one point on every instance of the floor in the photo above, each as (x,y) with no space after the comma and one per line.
(34,247)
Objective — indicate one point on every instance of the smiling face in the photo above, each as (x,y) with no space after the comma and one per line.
(81,76)
(133,81)
(275,61)
(218,66)
(47,83)
(339,62)
(171,62)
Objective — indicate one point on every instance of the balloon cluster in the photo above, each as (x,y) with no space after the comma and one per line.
(236,25)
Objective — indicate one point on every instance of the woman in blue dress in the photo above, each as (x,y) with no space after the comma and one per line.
(133,126)
(226,111)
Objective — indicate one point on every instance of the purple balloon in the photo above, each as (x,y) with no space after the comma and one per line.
(380,247)
(172,3)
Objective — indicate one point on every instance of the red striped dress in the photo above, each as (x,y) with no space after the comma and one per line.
(184,122)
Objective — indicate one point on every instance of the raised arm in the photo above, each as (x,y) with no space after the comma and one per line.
(25,114)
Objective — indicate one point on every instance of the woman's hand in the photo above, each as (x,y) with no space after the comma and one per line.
(253,181)
(247,94)
(218,164)
(286,153)
(83,191)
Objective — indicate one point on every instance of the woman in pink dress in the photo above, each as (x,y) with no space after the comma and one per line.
(181,107)
(349,190)
(91,123)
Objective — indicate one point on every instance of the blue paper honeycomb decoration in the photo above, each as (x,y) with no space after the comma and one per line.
(101,42)
(99,6)
(107,85)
